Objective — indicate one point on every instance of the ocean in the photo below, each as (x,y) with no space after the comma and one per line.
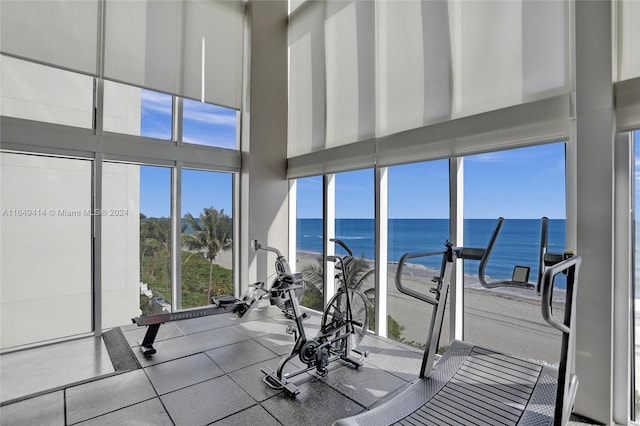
(517,243)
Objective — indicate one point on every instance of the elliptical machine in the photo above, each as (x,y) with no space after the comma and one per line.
(343,326)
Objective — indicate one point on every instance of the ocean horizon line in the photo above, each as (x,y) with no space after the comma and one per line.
(436,218)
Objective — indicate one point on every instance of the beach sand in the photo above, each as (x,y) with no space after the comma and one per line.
(507,320)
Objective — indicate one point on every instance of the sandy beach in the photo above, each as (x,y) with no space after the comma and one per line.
(508,320)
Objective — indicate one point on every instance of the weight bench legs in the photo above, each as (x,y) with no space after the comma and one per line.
(146,346)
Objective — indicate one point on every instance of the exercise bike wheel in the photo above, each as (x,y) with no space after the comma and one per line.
(335,316)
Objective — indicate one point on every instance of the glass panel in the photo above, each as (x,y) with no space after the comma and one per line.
(186,48)
(155,239)
(211,125)
(156,115)
(62,33)
(310,239)
(355,226)
(350,71)
(139,112)
(37,92)
(120,215)
(521,185)
(207,236)
(636,275)
(628,39)
(45,260)
(418,222)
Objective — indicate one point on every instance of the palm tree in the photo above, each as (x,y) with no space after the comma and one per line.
(358,274)
(209,235)
(155,238)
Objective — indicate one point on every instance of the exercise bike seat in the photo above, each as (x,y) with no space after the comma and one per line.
(282,285)
(224,300)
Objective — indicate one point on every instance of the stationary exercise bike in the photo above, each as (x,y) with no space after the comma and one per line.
(343,326)
(259,290)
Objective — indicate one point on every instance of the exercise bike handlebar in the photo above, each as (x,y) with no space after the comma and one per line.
(343,245)
(255,245)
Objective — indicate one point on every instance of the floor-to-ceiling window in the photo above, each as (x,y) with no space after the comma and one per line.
(355,227)
(45,249)
(635,289)
(155,239)
(522,185)
(310,239)
(418,222)
(206,236)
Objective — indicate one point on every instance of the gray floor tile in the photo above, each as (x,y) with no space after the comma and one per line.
(317,404)
(217,338)
(103,396)
(27,372)
(373,344)
(366,385)
(279,343)
(166,331)
(255,415)
(239,355)
(264,326)
(43,410)
(250,380)
(168,350)
(182,372)
(147,413)
(206,402)
(402,363)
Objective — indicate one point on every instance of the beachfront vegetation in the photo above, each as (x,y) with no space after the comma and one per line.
(203,239)
(209,235)
(359,273)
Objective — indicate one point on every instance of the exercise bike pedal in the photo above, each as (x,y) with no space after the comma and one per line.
(273,382)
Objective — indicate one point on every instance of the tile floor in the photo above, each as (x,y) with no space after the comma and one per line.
(206,371)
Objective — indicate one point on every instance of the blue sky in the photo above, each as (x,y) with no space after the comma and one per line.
(519,183)
(200,189)
(203,124)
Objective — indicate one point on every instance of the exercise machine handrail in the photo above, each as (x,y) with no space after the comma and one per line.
(567,380)
(547,291)
(485,259)
(441,291)
(542,250)
(545,259)
(403,260)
